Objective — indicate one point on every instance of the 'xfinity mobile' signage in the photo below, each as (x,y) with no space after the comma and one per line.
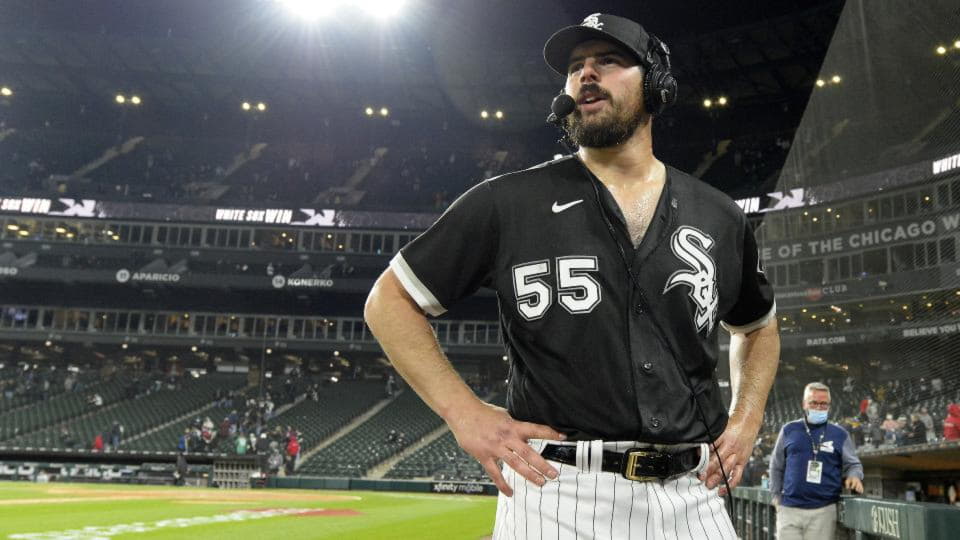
(124,275)
(280,282)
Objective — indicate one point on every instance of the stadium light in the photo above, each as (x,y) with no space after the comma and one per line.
(124,346)
(6,91)
(120,99)
(261,106)
(941,50)
(382,8)
(821,82)
(310,10)
(484,114)
(135,100)
(836,79)
(13,227)
(707,103)
(499,115)
(245,105)
(23,232)
(384,111)
(368,111)
(722,100)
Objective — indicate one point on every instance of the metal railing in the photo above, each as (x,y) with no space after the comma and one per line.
(755,518)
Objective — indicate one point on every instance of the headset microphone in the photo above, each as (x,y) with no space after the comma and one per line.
(561,107)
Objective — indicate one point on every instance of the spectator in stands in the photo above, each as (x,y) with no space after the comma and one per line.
(66,438)
(183,444)
(928,424)
(96,400)
(116,432)
(241,445)
(293,451)
(391,388)
(98,443)
(812,460)
(951,424)
(274,459)
(889,427)
(916,431)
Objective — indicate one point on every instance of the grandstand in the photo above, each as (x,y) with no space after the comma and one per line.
(193,269)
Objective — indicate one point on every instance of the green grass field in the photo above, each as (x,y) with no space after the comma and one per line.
(94,511)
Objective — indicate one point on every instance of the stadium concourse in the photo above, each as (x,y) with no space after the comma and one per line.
(196,198)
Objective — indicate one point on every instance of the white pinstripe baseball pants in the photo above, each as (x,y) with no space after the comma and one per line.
(582,504)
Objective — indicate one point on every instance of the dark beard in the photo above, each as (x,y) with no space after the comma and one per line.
(611,131)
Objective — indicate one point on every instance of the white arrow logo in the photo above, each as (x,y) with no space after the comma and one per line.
(557,207)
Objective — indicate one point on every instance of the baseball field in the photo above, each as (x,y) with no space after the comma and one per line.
(103,511)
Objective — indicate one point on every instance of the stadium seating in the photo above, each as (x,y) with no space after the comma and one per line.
(59,408)
(368,444)
(135,415)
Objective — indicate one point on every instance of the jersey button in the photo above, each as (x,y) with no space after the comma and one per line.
(638,309)
(655,423)
(647,366)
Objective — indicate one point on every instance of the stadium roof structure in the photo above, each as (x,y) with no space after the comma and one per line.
(435,55)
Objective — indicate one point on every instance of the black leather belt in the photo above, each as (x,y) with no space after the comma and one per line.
(640,464)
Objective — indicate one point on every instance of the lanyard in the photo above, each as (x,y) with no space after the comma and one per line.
(815,445)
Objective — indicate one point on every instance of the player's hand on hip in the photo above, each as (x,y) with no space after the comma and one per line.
(853,484)
(490,434)
(733,447)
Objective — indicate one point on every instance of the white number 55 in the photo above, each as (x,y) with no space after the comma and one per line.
(577,291)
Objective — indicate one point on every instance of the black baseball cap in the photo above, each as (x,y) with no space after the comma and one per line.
(624,32)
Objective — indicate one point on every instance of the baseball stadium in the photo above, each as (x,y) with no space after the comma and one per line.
(354,269)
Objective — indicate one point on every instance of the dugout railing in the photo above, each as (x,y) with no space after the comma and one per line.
(860,518)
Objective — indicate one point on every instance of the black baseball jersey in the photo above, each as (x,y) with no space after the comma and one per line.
(595,352)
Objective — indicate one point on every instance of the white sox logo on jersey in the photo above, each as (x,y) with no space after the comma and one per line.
(691,245)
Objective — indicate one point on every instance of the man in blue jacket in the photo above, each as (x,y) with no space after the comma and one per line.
(812,460)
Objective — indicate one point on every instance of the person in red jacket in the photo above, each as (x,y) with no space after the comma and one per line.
(98,443)
(951,424)
(293,451)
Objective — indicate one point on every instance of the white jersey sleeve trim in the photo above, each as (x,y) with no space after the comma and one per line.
(415,288)
(759,323)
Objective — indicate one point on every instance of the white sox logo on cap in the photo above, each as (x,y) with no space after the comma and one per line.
(690,245)
(593,21)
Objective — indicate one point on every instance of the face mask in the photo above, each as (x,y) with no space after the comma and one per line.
(816,417)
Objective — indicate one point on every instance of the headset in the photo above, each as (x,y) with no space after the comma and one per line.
(659,84)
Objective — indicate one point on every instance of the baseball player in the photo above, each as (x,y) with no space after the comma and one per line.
(613,273)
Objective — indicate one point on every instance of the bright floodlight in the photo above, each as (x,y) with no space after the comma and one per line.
(484,114)
(821,82)
(135,100)
(722,100)
(6,91)
(499,115)
(956,44)
(941,50)
(382,8)
(384,111)
(368,111)
(120,99)
(261,106)
(310,10)
(708,103)
(836,79)
(245,105)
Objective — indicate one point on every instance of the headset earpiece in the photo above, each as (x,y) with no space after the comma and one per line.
(659,85)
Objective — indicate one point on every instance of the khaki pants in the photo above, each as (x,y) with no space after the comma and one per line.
(806,523)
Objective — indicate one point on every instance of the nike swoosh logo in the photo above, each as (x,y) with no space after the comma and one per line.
(557,207)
